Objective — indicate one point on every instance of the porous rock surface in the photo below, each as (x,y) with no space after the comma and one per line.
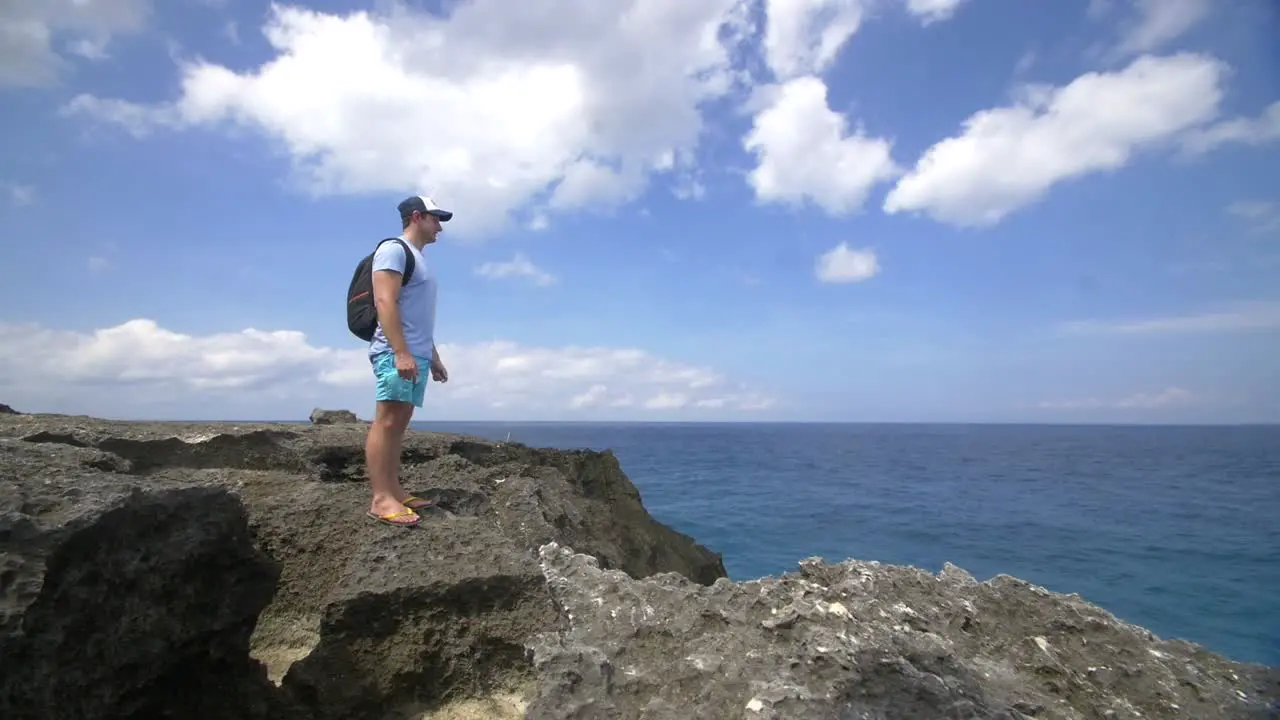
(320,416)
(229,571)
(863,641)
(133,551)
(122,602)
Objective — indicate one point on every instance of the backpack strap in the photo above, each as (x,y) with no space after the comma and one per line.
(409,262)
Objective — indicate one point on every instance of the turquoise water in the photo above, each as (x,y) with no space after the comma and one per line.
(1173,528)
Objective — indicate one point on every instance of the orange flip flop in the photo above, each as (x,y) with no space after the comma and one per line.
(414,502)
(393,518)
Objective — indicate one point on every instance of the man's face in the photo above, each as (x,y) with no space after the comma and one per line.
(429,225)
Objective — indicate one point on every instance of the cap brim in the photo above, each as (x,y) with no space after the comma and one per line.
(444,215)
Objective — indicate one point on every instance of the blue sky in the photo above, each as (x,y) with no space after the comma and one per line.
(881,210)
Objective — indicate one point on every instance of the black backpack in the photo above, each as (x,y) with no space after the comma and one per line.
(362,315)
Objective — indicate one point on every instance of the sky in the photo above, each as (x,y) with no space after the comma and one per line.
(675,210)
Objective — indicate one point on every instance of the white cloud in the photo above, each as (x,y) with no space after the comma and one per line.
(22,195)
(518,266)
(593,397)
(1159,22)
(689,187)
(803,37)
(932,11)
(99,265)
(1167,398)
(90,49)
(1262,216)
(29,29)
(804,151)
(842,264)
(667,401)
(1097,9)
(588,182)
(1009,157)
(1025,63)
(1244,316)
(1247,131)
(130,369)
(490,108)
(137,120)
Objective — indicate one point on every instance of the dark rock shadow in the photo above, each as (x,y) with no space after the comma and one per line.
(464,503)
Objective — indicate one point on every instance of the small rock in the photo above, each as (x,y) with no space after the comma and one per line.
(784,620)
(332,417)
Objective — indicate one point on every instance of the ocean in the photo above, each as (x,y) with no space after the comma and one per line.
(1173,528)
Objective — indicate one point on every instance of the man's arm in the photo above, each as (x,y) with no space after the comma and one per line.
(386,298)
(388,267)
(438,371)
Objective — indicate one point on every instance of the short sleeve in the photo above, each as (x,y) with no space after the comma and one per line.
(389,256)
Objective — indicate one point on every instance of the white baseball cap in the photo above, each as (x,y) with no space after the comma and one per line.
(423,204)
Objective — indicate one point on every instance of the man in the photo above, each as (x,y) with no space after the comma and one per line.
(402,352)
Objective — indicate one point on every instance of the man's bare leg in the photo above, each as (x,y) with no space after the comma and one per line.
(382,457)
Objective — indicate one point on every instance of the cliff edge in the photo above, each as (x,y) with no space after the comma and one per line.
(201,570)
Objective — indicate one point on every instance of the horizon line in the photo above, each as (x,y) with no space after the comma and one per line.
(523,421)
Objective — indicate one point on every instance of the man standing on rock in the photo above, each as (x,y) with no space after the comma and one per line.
(402,351)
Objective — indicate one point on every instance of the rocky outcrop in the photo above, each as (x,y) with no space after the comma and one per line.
(122,602)
(366,621)
(6,410)
(864,640)
(229,571)
(332,417)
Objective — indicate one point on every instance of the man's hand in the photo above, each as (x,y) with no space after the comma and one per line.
(407,366)
(438,372)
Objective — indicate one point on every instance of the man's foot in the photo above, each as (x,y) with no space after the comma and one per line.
(401,518)
(393,513)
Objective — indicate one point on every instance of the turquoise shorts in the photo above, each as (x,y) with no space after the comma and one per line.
(390,387)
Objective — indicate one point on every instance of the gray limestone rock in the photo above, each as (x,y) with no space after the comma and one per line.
(120,598)
(865,641)
(217,570)
(366,620)
(332,417)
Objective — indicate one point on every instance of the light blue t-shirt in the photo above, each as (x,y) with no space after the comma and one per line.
(417,300)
